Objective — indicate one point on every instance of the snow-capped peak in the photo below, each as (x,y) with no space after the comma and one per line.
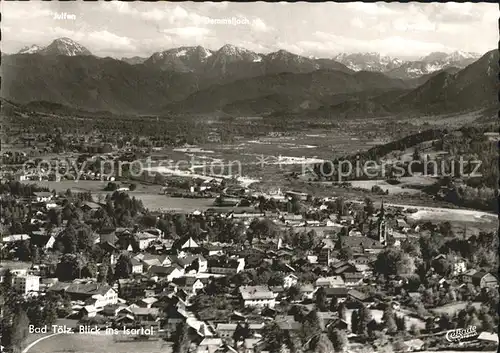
(181,53)
(234,53)
(60,46)
(30,50)
(66,46)
(231,50)
(461,55)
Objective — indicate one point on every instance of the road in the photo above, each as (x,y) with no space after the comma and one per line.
(38,340)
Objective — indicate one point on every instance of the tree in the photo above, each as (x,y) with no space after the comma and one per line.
(123,268)
(342,311)
(339,340)
(69,267)
(416,155)
(414,330)
(389,321)
(19,330)
(473,320)
(394,262)
(369,208)
(488,324)
(400,323)
(273,337)
(310,324)
(181,338)
(322,344)
(444,321)
(346,253)
(364,317)
(23,251)
(7,281)
(321,299)
(354,321)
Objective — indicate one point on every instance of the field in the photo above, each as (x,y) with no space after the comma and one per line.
(450,214)
(86,343)
(157,202)
(454,308)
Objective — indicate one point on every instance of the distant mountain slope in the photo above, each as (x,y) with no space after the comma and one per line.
(368,62)
(135,60)
(87,82)
(476,86)
(305,88)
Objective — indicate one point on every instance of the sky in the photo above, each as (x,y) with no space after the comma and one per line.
(120,29)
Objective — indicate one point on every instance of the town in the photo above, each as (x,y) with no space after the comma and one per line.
(255,272)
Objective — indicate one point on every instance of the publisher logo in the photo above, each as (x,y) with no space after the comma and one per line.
(461,334)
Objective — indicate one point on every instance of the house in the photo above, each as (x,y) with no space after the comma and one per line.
(144,314)
(91,207)
(467,276)
(458,265)
(26,284)
(189,244)
(114,309)
(209,345)
(145,239)
(288,323)
(88,311)
(99,293)
(343,267)
(358,297)
(330,282)
(360,244)
(136,266)
(340,294)
(43,196)
(365,270)
(402,225)
(484,280)
(191,285)
(147,302)
(326,252)
(328,319)
(488,337)
(290,280)
(169,273)
(188,261)
(257,296)
(232,266)
(353,279)
(213,250)
(307,291)
(225,330)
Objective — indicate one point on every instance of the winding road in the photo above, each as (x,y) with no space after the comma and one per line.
(25,350)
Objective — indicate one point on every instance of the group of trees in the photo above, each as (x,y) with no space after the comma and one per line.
(310,338)
(19,312)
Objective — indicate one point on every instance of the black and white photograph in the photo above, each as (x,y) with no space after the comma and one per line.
(249,177)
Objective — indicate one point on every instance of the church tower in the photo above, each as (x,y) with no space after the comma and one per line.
(382,226)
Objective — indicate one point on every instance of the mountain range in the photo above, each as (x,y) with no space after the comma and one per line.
(404,69)
(235,80)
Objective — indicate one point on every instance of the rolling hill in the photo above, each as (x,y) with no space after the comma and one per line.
(91,83)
